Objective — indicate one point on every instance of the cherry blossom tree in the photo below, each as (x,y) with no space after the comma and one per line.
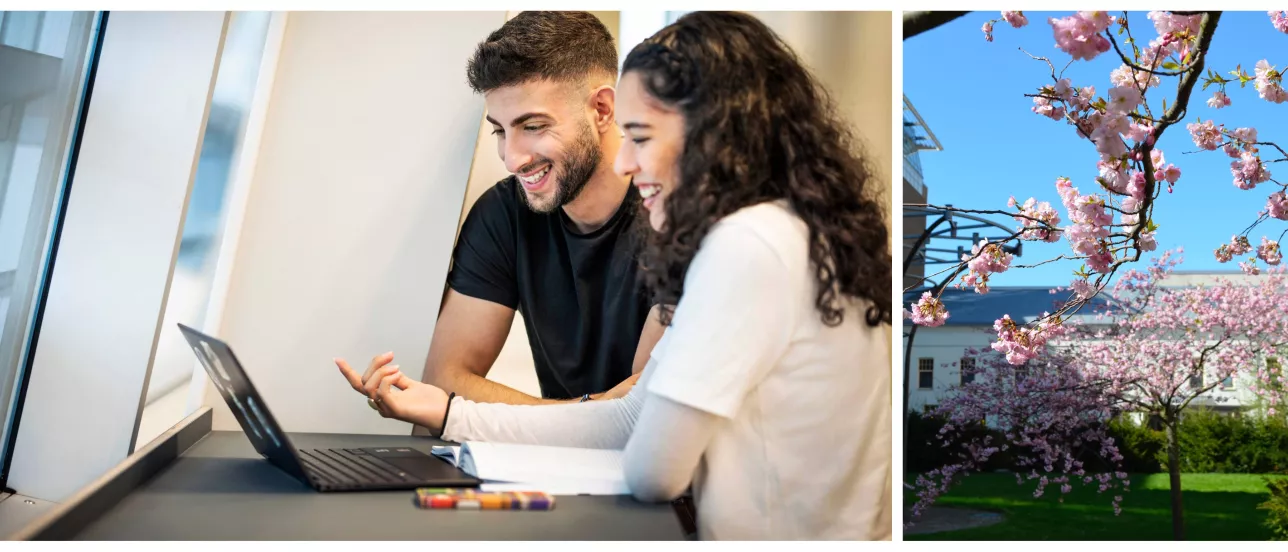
(1150,348)
(1107,222)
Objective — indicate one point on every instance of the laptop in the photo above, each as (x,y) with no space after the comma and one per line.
(336,469)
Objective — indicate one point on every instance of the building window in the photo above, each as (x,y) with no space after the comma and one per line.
(1196,381)
(43,67)
(1227,383)
(925,373)
(968,370)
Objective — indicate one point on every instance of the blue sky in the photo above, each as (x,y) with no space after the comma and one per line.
(971,95)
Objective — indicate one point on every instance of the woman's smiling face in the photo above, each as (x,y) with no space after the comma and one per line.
(650,155)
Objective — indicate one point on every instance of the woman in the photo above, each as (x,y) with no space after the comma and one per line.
(770,390)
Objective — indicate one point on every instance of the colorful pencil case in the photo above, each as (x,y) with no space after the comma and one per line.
(469,499)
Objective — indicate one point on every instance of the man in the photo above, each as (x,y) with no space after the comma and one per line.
(558,240)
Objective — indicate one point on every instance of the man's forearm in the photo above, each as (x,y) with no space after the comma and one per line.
(480,389)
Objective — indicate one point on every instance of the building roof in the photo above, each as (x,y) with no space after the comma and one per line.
(1024,304)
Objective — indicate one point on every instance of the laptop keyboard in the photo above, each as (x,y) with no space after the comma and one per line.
(347,467)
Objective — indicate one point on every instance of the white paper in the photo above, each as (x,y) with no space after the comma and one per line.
(559,489)
(555,470)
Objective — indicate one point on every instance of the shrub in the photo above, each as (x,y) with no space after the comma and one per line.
(1209,443)
(1140,446)
(1277,505)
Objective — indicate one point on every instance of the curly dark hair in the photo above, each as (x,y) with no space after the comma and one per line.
(758,128)
(555,45)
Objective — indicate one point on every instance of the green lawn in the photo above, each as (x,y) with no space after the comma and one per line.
(1217,507)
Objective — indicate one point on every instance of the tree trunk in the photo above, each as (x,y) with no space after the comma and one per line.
(907,392)
(1174,477)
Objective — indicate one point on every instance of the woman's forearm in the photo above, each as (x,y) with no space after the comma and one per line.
(592,424)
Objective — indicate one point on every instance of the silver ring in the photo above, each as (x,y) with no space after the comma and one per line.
(372,404)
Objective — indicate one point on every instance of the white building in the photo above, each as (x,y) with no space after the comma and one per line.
(937,353)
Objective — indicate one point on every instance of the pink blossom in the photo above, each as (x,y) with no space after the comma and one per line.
(1146,241)
(1206,135)
(1100,259)
(1239,245)
(1015,18)
(1249,171)
(1136,186)
(1019,344)
(1113,175)
(1042,229)
(984,260)
(1131,211)
(1124,75)
(1277,205)
(1084,98)
(988,31)
(1269,83)
(1167,23)
(928,312)
(1269,252)
(1218,100)
(1279,19)
(1123,99)
(1223,254)
(1250,268)
(1043,106)
(1082,288)
(1064,90)
(1246,137)
(1138,132)
(1078,34)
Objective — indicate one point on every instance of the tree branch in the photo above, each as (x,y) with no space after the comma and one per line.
(915,23)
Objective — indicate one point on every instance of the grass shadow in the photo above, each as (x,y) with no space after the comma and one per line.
(1217,507)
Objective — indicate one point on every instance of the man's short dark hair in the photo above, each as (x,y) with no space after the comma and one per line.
(543,45)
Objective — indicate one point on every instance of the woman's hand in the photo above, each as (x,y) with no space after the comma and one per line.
(397,396)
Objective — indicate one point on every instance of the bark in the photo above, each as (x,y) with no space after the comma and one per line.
(1174,477)
(915,23)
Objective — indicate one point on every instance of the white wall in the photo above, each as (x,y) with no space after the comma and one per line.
(353,208)
(947,344)
(849,52)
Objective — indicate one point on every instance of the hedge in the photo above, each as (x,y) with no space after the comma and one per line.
(1209,443)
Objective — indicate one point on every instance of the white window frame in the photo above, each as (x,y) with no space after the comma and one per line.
(964,371)
(116,251)
(921,370)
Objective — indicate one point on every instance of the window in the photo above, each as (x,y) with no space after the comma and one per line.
(967,370)
(44,65)
(1196,381)
(925,373)
(194,270)
(1022,372)
(1227,383)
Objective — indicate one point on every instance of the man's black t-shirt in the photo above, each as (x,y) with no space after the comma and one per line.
(579,294)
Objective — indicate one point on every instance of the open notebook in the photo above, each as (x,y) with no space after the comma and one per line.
(555,470)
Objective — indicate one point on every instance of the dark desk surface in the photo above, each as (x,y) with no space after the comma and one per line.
(221,489)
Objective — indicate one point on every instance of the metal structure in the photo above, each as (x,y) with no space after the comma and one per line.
(951,226)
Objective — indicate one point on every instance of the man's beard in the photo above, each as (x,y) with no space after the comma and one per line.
(580,161)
